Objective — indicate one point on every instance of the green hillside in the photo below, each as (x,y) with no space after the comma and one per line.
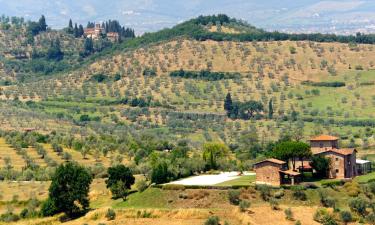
(170,87)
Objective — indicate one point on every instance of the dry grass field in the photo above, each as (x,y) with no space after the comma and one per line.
(6,151)
(199,205)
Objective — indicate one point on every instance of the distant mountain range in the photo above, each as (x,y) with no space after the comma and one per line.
(334,16)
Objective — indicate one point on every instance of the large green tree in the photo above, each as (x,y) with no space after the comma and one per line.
(160,173)
(213,151)
(120,179)
(69,190)
(248,109)
(249,145)
(321,165)
(291,151)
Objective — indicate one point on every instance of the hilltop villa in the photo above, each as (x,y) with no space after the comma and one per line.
(95,32)
(344,164)
(98,30)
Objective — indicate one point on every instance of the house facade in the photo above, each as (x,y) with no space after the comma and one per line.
(274,172)
(98,31)
(324,141)
(343,161)
(95,32)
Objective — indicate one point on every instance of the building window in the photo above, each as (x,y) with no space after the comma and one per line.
(321,144)
(337,159)
(337,170)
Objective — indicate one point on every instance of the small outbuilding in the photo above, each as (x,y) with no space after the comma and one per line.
(363,166)
(275,172)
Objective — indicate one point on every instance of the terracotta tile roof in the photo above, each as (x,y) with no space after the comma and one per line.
(324,138)
(341,151)
(272,160)
(112,34)
(316,151)
(306,166)
(344,151)
(290,172)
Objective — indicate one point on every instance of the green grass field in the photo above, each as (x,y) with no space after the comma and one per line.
(242,181)
(365,178)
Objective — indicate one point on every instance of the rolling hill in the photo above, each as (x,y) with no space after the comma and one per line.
(296,75)
(166,100)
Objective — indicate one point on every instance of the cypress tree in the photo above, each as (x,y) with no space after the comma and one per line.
(228,103)
(70,24)
(42,23)
(76,31)
(80,30)
(270,109)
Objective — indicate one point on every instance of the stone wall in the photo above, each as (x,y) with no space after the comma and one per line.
(268,173)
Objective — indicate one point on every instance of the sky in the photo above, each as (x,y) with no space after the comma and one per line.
(152,15)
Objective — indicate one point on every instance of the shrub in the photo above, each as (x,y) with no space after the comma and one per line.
(244,205)
(176,187)
(9,217)
(325,200)
(320,214)
(48,208)
(234,196)
(119,190)
(141,185)
(358,67)
(24,213)
(298,222)
(111,214)
(288,214)
(144,214)
(274,204)
(371,218)
(372,187)
(265,191)
(332,183)
(310,186)
(329,220)
(212,220)
(346,216)
(279,194)
(299,193)
(352,188)
(358,205)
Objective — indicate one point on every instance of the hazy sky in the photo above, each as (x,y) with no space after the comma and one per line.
(149,15)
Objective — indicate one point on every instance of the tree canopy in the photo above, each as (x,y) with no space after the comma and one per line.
(212,151)
(120,172)
(69,190)
(120,179)
(291,150)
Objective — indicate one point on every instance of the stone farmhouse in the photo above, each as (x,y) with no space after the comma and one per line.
(343,161)
(344,164)
(95,32)
(98,31)
(274,172)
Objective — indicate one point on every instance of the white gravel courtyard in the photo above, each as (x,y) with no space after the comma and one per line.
(203,180)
